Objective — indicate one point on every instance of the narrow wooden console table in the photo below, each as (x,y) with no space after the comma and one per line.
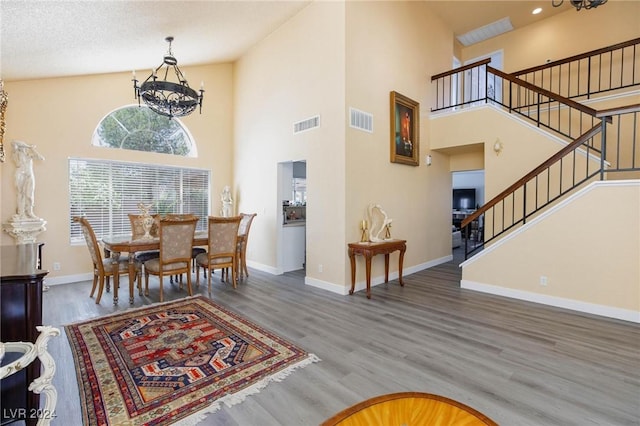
(369,250)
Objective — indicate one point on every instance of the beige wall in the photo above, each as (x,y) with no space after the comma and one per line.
(59,116)
(326,59)
(383,56)
(486,125)
(295,73)
(590,260)
(562,35)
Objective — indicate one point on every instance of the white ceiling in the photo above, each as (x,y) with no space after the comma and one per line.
(61,38)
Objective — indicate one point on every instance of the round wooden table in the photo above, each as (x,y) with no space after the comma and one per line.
(409,409)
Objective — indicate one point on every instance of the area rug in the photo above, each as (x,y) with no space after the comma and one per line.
(174,362)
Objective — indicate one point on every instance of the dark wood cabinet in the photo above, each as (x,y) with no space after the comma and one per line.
(21,282)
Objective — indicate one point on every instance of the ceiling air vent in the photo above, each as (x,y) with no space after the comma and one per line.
(361,120)
(484,33)
(307,124)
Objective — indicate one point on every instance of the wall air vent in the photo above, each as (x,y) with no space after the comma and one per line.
(306,124)
(361,120)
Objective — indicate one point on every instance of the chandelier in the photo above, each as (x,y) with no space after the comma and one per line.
(580,4)
(165,97)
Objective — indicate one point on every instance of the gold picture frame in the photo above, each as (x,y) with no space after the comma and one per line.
(405,130)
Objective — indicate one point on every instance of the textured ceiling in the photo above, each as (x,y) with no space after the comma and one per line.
(60,38)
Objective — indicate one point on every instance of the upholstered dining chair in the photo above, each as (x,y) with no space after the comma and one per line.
(222,252)
(243,237)
(102,268)
(137,232)
(194,250)
(176,241)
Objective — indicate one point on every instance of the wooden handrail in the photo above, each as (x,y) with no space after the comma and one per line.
(460,69)
(618,110)
(579,57)
(533,173)
(573,104)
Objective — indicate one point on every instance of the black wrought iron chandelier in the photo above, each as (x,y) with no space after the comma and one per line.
(165,97)
(580,4)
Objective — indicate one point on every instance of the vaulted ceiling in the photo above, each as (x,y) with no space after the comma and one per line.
(60,38)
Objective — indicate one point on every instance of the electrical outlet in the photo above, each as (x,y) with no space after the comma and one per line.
(543,280)
(320,267)
(56,266)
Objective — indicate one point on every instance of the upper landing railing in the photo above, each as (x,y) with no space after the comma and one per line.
(582,76)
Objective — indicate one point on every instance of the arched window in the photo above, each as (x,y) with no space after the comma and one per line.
(138,128)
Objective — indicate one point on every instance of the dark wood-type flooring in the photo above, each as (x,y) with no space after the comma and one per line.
(519,363)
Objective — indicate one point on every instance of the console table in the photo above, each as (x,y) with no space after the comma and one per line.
(20,312)
(369,250)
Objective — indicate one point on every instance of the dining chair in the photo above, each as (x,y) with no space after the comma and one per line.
(102,268)
(176,241)
(222,251)
(243,237)
(137,232)
(194,250)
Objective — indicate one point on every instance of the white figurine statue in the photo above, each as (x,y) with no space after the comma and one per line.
(378,222)
(227,202)
(23,156)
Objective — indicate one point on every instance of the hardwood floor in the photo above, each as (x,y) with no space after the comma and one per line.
(518,363)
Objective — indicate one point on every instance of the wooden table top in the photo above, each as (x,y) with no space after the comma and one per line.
(410,408)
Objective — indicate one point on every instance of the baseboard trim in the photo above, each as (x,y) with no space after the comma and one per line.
(67,279)
(264,268)
(558,302)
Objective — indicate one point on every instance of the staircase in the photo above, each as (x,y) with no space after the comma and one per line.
(600,144)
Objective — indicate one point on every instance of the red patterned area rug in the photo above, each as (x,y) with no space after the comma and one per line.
(174,362)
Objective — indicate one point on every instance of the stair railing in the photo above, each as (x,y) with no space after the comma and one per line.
(617,136)
(588,156)
(479,83)
(582,76)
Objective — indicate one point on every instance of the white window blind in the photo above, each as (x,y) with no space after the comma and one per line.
(105,192)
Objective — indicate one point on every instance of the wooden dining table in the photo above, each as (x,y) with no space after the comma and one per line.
(116,245)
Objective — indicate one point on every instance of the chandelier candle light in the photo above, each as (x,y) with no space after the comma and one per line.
(172,99)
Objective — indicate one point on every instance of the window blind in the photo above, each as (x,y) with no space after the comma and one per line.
(105,192)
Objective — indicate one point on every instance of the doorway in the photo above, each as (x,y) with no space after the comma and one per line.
(467,194)
(291,226)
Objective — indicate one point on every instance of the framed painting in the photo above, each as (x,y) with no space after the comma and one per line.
(405,130)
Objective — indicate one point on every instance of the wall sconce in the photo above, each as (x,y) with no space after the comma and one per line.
(429,159)
(498,147)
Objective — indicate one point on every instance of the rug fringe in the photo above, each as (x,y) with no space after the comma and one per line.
(232,399)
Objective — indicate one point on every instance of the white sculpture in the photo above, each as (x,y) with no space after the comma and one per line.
(378,222)
(25,226)
(23,156)
(227,202)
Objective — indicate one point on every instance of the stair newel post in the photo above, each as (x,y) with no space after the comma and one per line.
(603,146)
(524,203)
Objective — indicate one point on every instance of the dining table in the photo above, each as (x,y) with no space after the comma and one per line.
(114,246)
